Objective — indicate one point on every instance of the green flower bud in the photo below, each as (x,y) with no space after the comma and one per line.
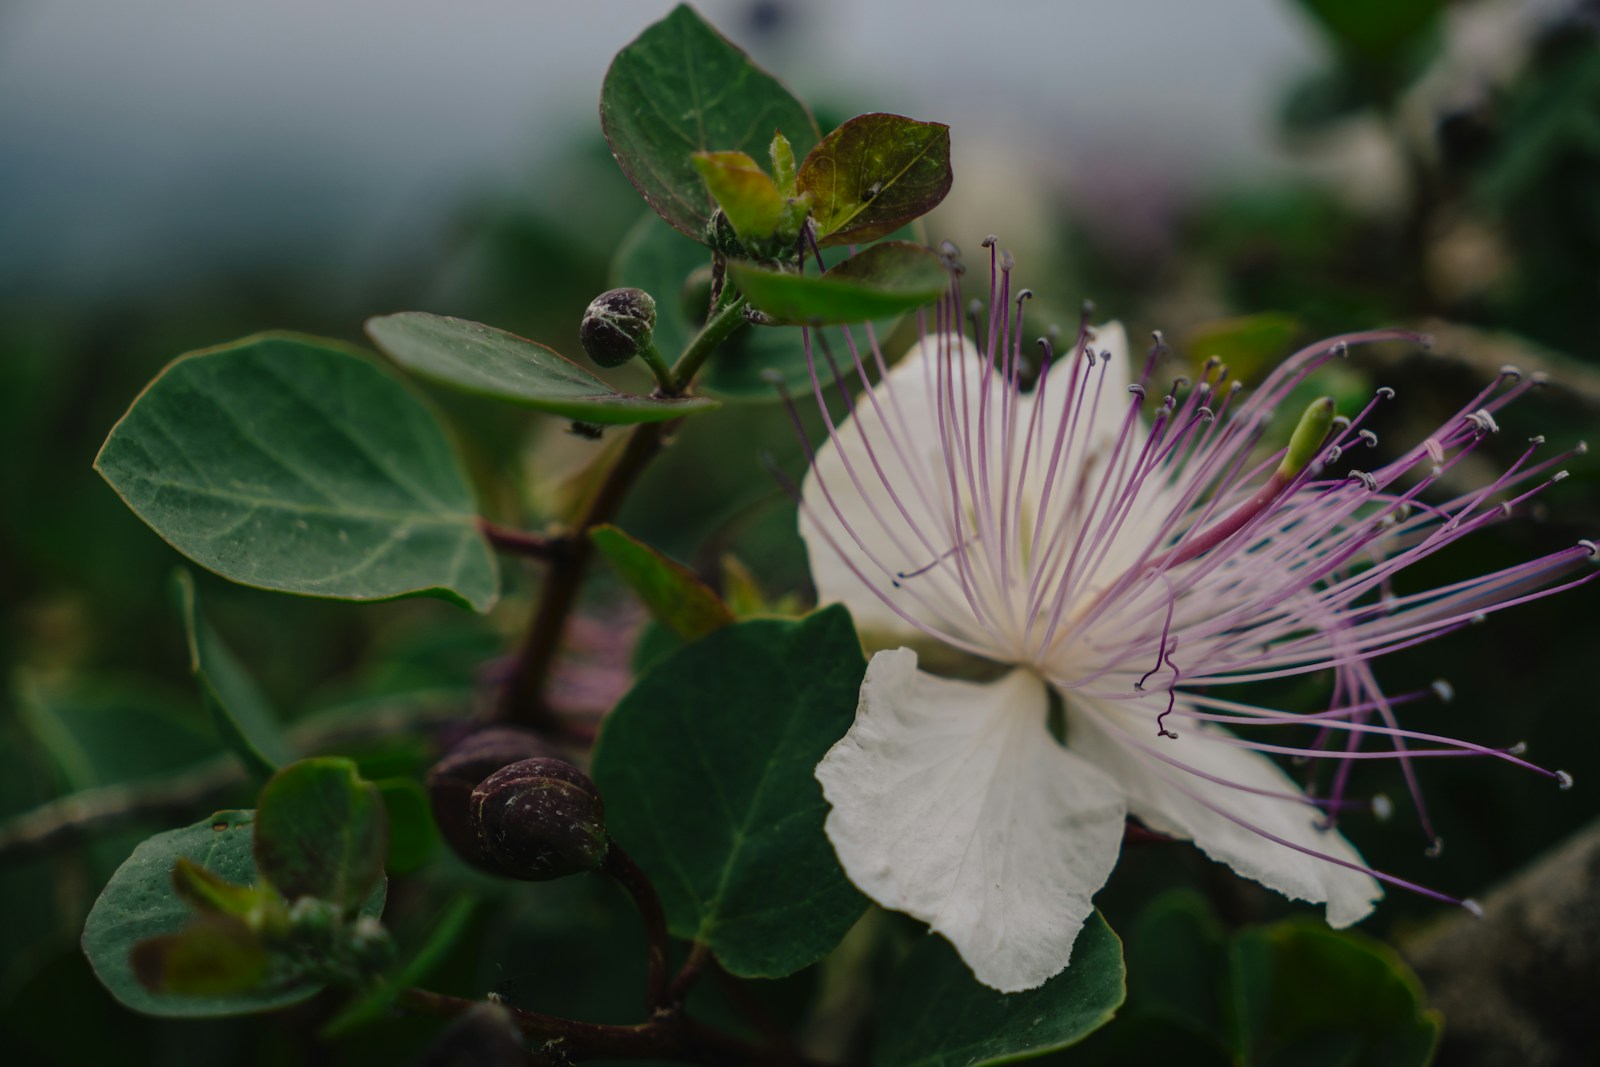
(539,819)
(452,779)
(617,326)
(1308,436)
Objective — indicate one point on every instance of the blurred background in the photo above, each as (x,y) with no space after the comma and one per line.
(1244,175)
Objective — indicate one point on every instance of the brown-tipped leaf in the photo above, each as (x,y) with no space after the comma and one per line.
(874,174)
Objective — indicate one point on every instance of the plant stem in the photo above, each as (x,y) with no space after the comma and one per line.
(66,820)
(658,366)
(626,873)
(717,329)
(519,542)
(524,693)
(667,1037)
(688,974)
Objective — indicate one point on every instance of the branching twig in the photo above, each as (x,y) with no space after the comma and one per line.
(666,1037)
(67,820)
(524,700)
(627,874)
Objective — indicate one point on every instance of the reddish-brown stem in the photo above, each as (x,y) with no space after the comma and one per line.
(524,693)
(688,974)
(520,542)
(667,1037)
(626,873)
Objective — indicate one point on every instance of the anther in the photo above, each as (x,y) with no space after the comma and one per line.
(1483,421)
(1563,780)
(1435,850)
(1045,343)
(1369,437)
(1007,262)
(1539,378)
(1382,807)
(1333,454)
(1560,476)
(1385,393)
(1589,546)
(990,241)
(1580,448)
(1205,413)
(1341,350)
(1088,309)
(1473,908)
(1137,390)
(1505,508)
(1517,749)
(1434,449)
(1537,439)
(1443,690)
(1089,354)
(1508,371)
(1179,382)
(1478,617)
(1342,421)
(949,249)
(1024,294)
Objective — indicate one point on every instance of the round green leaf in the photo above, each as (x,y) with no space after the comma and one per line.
(886,279)
(938,1015)
(481,359)
(682,88)
(321,831)
(706,769)
(288,463)
(874,174)
(139,903)
(1305,994)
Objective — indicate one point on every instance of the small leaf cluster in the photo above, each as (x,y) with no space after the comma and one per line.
(251,910)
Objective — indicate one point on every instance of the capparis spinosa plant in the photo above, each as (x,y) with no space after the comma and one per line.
(1039,569)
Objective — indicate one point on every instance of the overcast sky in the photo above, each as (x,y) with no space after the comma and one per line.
(232,127)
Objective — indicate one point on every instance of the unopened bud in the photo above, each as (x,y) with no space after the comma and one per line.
(371,946)
(1308,436)
(539,819)
(452,779)
(617,326)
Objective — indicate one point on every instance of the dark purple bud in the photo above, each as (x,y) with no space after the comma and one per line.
(452,779)
(539,819)
(485,1035)
(618,325)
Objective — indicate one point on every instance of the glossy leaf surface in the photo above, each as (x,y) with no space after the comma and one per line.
(706,767)
(289,463)
(480,359)
(681,88)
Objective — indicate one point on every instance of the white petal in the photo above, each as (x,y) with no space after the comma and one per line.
(886,457)
(952,803)
(1154,795)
